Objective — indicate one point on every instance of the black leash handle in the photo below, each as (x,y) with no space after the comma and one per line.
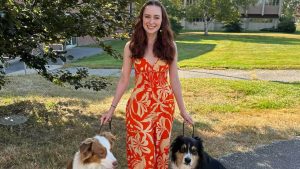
(193,134)
(103,124)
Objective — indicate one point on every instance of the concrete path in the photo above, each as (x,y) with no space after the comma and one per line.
(278,155)
(258,74)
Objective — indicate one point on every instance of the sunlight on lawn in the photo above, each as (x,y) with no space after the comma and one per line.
(239,50)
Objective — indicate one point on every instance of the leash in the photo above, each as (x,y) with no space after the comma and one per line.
(193,134)
(108,124)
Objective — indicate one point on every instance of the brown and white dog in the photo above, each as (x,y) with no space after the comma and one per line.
(95,153)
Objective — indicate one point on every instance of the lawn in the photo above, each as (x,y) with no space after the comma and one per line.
(102,60)
(222,51)
(229,115)
(240,50)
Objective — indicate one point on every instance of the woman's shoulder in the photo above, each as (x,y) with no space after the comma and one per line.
(174,42)
(127,49)
(127,45)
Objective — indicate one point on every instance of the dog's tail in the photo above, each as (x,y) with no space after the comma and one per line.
(70,164)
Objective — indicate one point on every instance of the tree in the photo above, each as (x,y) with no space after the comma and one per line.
(28,25)
(290,7)
(175,10)
(226,11)
(204,9)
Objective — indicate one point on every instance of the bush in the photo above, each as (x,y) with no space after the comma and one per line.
(269,29)
(287,25)
(176,26)
(233,27)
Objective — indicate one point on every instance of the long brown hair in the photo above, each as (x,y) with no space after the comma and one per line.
(164,47)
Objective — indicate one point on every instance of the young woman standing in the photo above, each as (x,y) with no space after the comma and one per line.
(149,112)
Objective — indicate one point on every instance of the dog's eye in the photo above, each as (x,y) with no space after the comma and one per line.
(194,151)
(183,149)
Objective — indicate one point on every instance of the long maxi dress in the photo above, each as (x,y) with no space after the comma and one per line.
(149,116)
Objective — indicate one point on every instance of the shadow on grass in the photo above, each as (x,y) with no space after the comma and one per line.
(192,50)
(261,39)
(245,135)
(296,83)
(49,131)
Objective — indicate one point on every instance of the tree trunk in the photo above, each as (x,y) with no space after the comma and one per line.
(205,26)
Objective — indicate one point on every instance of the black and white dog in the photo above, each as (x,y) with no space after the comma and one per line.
(188,153)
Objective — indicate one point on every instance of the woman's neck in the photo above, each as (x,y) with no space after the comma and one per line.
(151,39)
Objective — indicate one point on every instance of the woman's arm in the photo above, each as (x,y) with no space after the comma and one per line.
(176,87)
(122,84)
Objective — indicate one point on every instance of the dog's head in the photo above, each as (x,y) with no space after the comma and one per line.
(186,152)
(97,151)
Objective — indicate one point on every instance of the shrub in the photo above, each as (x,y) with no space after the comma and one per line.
(287,25)
(176,26)
(269,29)
(233,27)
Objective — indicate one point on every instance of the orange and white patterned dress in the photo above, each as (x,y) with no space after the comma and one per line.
(149,116)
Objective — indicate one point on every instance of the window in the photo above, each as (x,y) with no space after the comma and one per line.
(261,20)
(268,2)
(272,2)
(199,19)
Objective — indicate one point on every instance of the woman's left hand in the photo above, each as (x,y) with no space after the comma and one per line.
(187,118)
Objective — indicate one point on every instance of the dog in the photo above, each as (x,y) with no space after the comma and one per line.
(95,153)
(188,153)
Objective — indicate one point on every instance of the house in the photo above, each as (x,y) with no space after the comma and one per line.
(264,14)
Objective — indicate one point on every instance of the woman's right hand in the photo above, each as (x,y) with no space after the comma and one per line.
(106,117)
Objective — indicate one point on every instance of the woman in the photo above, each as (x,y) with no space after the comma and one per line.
(149,111)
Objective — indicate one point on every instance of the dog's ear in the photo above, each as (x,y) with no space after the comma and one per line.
(176,141)
(175,147)
(198,139)
(111,138)
(86,149)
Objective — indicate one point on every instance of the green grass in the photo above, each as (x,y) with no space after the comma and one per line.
(239,51)
(229,115)
(102,60)
(221,51)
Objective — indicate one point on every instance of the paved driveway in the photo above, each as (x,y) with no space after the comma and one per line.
(278,155)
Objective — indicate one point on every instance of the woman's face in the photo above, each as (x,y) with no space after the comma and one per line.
(152,18)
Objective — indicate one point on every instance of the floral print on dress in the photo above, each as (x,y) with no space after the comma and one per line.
(149,116)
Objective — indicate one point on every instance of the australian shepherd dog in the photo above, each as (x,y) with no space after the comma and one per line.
(95,153)
(188,153)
